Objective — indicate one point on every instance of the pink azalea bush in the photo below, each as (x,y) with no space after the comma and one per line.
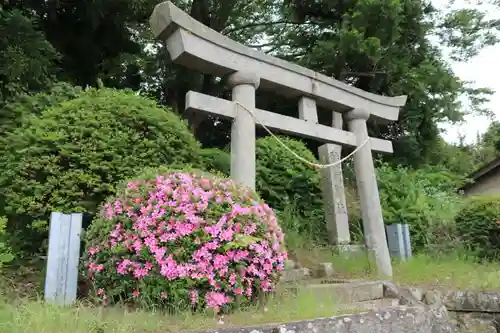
(184,239)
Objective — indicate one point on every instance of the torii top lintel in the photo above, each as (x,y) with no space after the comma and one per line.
(196,46)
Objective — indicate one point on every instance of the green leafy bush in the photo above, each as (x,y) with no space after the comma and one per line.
(215,159)
(425,199)
(6,255)
(284,181)
(184,239)
(12,114)
(70,157)
(478,225)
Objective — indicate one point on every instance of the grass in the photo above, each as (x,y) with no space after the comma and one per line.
(454,271)
(34,316)
(451,271)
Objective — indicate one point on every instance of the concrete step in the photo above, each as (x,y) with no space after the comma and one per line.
(342,293)
(373,305)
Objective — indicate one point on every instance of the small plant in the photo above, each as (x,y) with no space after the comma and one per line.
(184,239)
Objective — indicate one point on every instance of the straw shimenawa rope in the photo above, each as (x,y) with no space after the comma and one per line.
(312,164)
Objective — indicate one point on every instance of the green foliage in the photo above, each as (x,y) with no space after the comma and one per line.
(184,240)
(27,59)
(425,199)
(216,159)
(488,145)
(283,181)
(25,105)
(70,157)
(6,255)
(478,225)
(386,47)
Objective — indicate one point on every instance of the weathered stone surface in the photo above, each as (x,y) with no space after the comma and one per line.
(403,295)
(197,102)
(296,274)
(469,322)
(399,320)
(433,297)
(324,269)
(468,301)
(416,292)
(346,292)
(373,305)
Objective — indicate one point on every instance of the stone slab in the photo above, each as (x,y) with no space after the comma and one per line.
(397,320)
(474,322)
(344,292)
(194,45)
(373,305)
(223,108)
(404,295)
(469,301)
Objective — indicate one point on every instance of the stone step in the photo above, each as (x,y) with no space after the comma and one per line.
(342,293)
(295,275)
(373,305)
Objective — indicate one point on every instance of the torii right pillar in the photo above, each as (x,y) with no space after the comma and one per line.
(366,181)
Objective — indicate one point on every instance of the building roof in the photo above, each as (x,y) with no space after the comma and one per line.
(483,171)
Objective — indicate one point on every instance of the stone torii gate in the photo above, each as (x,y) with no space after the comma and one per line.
(194,45)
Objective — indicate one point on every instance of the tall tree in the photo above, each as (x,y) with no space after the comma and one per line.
(27,59)
(94,37)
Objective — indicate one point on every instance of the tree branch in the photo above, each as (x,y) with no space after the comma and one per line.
(261,24)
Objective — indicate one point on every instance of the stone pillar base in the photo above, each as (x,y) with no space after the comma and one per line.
(350,250)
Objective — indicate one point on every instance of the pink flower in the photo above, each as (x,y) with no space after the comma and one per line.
(215,300)
(156,219)
(94,250)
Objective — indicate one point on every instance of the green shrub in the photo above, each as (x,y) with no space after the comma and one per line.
(425,199)
(184,239)
(215,159)
(478,225)
(284,181)
(70,157)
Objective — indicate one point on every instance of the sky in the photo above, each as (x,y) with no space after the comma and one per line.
(479,69)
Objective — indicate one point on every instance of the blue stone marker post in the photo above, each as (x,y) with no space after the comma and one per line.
(399,242)
(63,257)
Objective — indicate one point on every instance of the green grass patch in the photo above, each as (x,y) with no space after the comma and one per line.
(445,271)
(35,316)
(20,311)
